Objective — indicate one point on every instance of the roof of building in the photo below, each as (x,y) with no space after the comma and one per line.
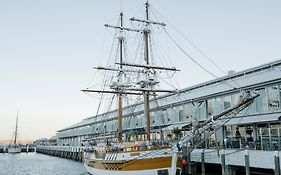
(228,86)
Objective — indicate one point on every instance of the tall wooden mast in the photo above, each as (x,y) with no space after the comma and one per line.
(146,58)
(118,89)
(16,130)
(146,86)
(121,40)
(147,83)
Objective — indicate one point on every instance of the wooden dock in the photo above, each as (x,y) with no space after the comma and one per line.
(69,152)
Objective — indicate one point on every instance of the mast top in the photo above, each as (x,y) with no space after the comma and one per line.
(146,8)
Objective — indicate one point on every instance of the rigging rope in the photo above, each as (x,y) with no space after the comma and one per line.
(104,81)
(199,50)
(192,59)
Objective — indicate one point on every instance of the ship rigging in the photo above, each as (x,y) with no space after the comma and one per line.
(130,158)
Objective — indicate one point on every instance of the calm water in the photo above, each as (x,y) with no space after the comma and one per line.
(38,164)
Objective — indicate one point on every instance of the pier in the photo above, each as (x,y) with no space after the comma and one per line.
(234,162)
(24,148)
(69,152)
(202,161)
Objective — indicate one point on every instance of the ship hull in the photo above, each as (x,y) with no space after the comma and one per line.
(95,171)
(14,150)
(152,165)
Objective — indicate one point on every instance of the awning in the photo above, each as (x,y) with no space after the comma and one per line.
(255,119)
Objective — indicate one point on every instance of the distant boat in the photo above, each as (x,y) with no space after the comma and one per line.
(14,147)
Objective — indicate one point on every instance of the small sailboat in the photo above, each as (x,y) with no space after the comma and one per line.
(117,157)
(15,147)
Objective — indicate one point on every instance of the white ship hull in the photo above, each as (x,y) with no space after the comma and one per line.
(145,163)
(14,150)
(95,171)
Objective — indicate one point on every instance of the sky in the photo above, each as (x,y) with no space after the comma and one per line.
(48,49)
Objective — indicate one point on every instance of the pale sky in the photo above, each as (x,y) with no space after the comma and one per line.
(48,48)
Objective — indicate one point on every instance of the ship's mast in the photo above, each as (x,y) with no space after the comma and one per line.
(149,69)
(121,40)
(16,131)
(119,88)
(146,58)
(146,85)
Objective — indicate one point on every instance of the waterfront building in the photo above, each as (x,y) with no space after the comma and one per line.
(257,127)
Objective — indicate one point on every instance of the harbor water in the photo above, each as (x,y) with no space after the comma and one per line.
(38,164)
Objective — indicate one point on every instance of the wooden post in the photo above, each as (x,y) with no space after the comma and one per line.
(203,162)
(83,155)
(277,163)
(189,163)
(247,162)
(185,156)
(223,162)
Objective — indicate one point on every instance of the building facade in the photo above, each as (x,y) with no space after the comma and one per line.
(257,127)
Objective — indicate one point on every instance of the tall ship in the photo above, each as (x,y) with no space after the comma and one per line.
(15,147)
(139,79)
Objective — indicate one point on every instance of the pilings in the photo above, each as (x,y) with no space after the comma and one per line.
(223,168)
(234,162)
(247,162)
(68,152)
(276,163)
(203,163)
(189,163)
(27,149)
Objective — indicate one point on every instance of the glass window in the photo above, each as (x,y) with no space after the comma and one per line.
(274,132)
(152,119)
(251,109)
(215,106)
(201,110)
(264,132)
(227,102)
(234,100)
(137,121)
(172,114)
(273,97)
(210,107)
(280,92)
(156,119)
(185,112)
(181,115)
(261,102)
(141,120)
(161,117)
(132,122)
(165,116)
(124,123)
(191,111)
(242,130)
(229,131)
